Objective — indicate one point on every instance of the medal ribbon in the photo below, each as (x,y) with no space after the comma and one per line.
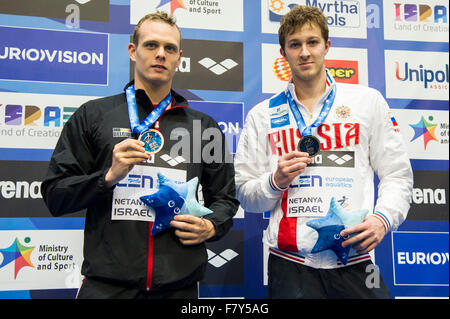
(151,118)
(304,129)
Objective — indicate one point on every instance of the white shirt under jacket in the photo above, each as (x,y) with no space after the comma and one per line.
(359,137)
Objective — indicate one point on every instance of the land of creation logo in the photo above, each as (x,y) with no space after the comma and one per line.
(17,253)
(425,129)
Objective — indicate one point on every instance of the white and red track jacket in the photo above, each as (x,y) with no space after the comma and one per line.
(359,137)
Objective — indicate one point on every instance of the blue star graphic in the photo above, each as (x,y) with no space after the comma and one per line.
(419,129)
(330,226)
(173,198)
(163,2)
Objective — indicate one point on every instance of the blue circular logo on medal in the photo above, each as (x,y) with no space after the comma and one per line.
(153,140)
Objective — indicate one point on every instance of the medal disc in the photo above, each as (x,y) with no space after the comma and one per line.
(309,144)
(153,140)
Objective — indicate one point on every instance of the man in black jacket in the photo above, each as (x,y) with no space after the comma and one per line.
(98,165)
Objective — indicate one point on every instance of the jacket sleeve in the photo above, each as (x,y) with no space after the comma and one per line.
(218,187)
(255,187)
(389,159)
(71,184)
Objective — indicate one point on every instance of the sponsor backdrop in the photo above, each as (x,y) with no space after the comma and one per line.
(57,54)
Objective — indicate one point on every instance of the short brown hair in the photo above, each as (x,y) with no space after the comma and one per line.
(160,16)
(297,18)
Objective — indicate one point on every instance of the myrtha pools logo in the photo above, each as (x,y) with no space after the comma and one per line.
(17,253)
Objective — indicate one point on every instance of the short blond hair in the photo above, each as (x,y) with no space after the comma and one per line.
(297,18)
(160,16)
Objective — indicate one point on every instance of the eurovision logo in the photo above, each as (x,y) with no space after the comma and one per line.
(53,56)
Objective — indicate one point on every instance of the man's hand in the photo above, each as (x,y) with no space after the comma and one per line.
(192,230)
(371,232)
(289,166)
(125,155)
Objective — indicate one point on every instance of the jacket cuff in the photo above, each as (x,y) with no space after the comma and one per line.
(273,185)
(383,218)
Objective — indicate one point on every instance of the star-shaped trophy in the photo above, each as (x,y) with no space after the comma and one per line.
(330,226)
(173,198)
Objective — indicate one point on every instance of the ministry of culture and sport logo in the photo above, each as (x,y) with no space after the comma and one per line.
(425,129)
(17,253)
(174,4)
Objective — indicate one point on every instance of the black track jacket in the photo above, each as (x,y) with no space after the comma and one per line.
(124,251)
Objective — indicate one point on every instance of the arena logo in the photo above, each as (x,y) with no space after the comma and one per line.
(48,56)
(429,196)
(225,261)
(20,189)
(215,65)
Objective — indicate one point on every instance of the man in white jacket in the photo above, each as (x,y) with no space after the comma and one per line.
(349,135)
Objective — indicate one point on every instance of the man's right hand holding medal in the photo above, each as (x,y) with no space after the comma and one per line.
(289,166)
(125,155)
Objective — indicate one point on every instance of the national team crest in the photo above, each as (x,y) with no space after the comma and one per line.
(343,112)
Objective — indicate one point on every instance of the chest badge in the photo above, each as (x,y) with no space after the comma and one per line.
(343,112)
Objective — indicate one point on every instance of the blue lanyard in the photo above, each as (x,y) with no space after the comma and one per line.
(307,130)
(151,118)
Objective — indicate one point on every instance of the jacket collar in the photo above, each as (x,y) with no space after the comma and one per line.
(177,99)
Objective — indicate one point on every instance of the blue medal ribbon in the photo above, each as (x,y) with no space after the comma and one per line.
(151,118)
(304,129)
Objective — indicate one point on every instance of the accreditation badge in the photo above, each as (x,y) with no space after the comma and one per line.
(141,180)
(153,140)
(309,194)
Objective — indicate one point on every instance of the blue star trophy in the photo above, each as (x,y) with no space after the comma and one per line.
(173,198)
(330,226)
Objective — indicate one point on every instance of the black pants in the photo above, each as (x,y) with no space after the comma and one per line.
(96,289)
(290,280)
